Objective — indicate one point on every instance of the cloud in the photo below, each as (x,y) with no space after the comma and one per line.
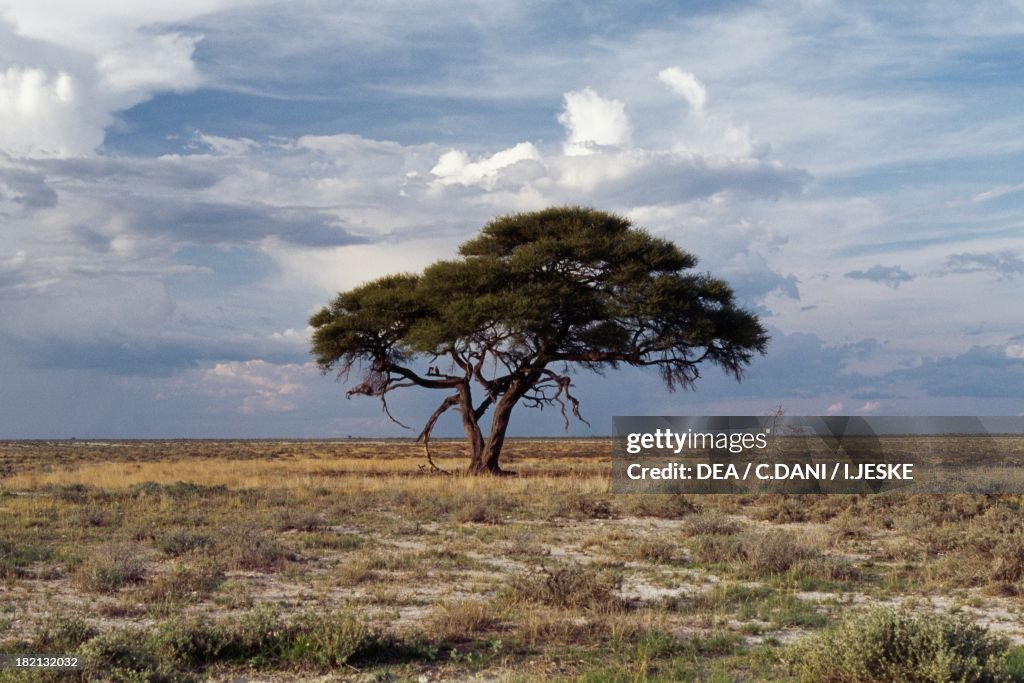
(599,160)
(703,131)
(642,177)
(150,64)
(592,121)
(431,120)
(258,387)
(871,407)
(686,84)
(834,408)
(23,191)
(454,166)
(996,192)
(890,276)
(982,371)
(752,279)
(203,222)
(71,69)
(1004,263)
(41,114)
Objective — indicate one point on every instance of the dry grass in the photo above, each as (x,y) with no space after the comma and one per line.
(546,575)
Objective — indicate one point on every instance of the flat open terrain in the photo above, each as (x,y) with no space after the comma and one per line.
(349,560)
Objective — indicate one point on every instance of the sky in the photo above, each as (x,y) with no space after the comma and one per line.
(183,184)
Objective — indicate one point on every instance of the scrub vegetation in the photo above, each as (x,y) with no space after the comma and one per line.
(352,560)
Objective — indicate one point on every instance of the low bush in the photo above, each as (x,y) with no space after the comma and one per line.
(261,636)
(572,586)
(889,645)
(180,541)
(771,553)
(110,569)
(712,523)
(250,549)
(458,621)
(775,552)
(62,634)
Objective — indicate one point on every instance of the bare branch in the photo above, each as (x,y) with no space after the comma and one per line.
(425,434)
(384,406)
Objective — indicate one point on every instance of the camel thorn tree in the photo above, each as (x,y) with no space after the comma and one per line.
(533,296)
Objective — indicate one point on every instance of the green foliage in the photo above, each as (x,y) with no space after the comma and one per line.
(576,281)
(62,634)
(170,651)
(888,645)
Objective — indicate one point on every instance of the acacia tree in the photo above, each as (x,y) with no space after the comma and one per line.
(532,296)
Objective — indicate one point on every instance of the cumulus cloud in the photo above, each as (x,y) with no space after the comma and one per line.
(592,121)
(41,114)
(455,168)
(890,276)
(871,407)
(598,159)
(835,408)
(702,130)
(71,68)
(686,84)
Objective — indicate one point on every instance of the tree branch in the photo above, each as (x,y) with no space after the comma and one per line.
(425,434)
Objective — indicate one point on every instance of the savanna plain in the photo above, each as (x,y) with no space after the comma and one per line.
(353,560)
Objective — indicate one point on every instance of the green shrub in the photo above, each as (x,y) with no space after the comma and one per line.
(119,655)
(62,634)
(190,641)
(16,556)
(888,645)
(328,639)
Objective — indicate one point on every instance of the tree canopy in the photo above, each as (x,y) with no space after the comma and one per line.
(532,296)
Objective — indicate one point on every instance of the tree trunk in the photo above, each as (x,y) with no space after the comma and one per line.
(490,452)
(471,427)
